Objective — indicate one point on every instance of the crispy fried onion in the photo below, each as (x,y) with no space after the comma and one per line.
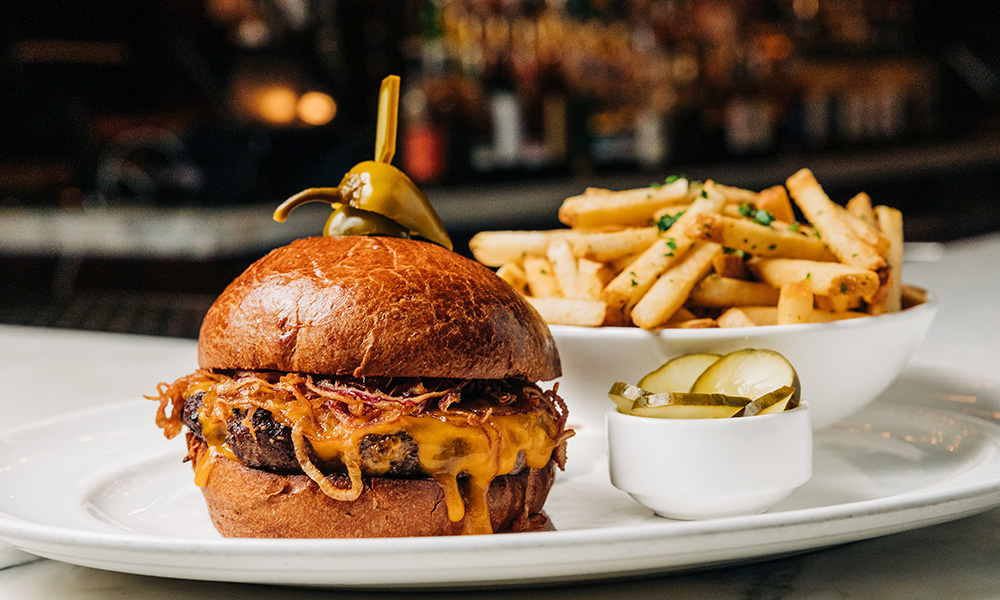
(317,407)
(352,461)
(558,409)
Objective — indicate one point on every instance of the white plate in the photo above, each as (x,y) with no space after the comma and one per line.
(102,488)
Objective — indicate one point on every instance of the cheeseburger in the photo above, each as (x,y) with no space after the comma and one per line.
(370,387)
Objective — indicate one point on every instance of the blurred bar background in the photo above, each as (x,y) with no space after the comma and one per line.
(145,144)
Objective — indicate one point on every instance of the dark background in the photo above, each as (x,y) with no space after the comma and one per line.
(117,105)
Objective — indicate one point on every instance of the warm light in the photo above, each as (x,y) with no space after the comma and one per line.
(277,105)
(805,9)
(777,46)
(316,108)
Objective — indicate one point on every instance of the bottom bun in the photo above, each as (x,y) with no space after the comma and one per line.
(247,502)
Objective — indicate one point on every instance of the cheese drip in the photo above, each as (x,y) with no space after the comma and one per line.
(453,444)
(462,449)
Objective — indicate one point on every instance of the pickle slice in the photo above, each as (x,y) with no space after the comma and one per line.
(771,402)
(679,411)
(686,405)
(752,373)
(625,395)
(631,399)
(678,374)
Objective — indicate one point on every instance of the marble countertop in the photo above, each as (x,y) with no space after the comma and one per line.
(47,372)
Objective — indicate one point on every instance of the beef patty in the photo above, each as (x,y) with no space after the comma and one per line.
(262,443)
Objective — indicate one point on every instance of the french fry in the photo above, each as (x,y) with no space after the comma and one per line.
(671,211)
(828,218)
(513,274)
(723,292)
(761,315)
(912,295)
(564,268)
(629,207)
(824,278)
(736,195)
(694,191)
(672,289)
(682,314)
(701,323)
(605,246)
(735,317)
(570,311)
(618,265)
(615,265)
(756,239)
(795,304)
(861,207)
(624,291)
(542,281)
(494,248)
(839,303)
(775,201)
(890,221)
(868,233)
(591,277)
(635,279)
(730,264)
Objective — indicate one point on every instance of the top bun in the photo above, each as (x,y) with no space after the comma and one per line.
(375,306)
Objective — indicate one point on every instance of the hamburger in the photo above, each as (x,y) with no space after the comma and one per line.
(370,387)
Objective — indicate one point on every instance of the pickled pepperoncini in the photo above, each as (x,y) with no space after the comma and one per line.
(374,197)
(347,220)
(382,188)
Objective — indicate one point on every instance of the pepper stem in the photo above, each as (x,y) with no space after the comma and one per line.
(326,194)
(388,110)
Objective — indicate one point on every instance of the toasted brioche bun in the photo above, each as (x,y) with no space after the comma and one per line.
(246,502)
(366,306)
(370,307)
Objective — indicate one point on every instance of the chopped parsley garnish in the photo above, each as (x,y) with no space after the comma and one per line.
(667,221)
(757,215)
(667,181)
(843,288)
(739,253)
(794,227)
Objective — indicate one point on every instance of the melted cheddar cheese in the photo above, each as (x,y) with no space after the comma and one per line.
(474,445)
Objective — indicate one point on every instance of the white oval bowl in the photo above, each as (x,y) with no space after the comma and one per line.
(707,468)
(842,365)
